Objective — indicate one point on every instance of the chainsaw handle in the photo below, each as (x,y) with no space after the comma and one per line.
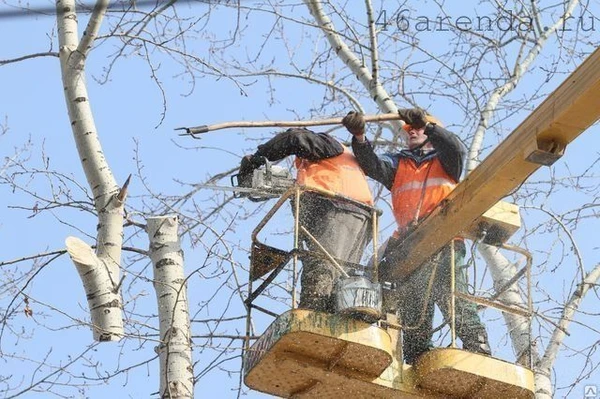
(235,182)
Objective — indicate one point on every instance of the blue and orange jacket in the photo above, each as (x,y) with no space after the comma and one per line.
(418,180)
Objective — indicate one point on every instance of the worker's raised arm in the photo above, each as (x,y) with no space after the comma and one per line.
(378,168)
(303,143)
(451,150)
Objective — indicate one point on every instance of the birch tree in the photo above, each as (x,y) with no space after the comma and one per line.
(99,270)
(176,375)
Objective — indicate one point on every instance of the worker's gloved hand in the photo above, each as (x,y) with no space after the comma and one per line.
(247,166)
(414,117)
(355,123)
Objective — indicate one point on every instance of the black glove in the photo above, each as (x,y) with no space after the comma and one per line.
(247,166)
(355,123)
(414,117)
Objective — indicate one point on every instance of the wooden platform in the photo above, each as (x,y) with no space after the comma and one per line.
(306,354)
(302,341)
(458,373)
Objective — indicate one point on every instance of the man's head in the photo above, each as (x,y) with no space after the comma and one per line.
(415,137)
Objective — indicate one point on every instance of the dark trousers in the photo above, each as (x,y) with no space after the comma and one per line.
(343,233)
(430,285)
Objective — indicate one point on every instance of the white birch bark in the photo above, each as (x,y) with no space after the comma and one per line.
(175,352)
(518,326)
(99,271)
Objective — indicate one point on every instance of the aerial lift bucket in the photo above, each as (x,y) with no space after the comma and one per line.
(302,351)
(310,354)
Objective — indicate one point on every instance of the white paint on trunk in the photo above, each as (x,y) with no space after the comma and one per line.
(175,352)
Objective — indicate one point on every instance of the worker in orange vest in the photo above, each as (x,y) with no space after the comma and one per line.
(342,227)
(419,178)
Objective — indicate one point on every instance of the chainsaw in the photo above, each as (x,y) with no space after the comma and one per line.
(268,181)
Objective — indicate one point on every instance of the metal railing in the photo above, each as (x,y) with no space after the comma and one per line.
(295,193)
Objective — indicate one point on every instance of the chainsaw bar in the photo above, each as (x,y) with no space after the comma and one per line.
(268,181)
(248,190)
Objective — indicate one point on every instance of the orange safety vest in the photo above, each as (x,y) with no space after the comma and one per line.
(338,175)
(417,190)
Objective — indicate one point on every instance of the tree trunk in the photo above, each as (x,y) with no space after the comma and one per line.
(175,352)
(99,271)
(518,326)
(102,293)
(543,385)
